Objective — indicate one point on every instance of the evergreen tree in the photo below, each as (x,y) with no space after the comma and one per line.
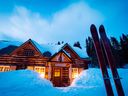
(91,52)
(124,46)
(116,50)
(115,43)
(119,50)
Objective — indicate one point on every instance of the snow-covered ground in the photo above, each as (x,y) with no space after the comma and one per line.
(90,83)
(29,83)
(25,83)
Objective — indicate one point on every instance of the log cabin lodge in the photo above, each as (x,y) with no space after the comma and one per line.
(59,63)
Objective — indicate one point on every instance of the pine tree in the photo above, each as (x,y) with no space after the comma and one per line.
(124,46)
(115,43)
(91,52)
(119,50)
(116,50)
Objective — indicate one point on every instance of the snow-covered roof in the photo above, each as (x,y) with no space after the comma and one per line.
(52,48)
(4,43)
(67,53)
(48,47)
(81,52)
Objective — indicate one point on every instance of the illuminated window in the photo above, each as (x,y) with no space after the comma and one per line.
(74,72)
(28,52)
(57,72)
(1,69)
(40,70)
(30,67)
(4,68)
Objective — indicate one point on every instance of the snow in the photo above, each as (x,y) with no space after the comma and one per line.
(52,48)
(92,78)
(81,52)
(69,55)
(47,47)
(24,83)
(29,83)
(4,44)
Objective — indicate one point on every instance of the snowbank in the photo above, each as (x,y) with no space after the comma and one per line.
(29,83)
(24,83)
(92,79)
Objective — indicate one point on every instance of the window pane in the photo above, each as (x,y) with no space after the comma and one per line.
(30,67)
(1,68)
(4,68)
(56,72)
(40,69)
(74,72)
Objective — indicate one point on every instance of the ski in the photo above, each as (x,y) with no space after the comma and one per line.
(101,61)
(110,59)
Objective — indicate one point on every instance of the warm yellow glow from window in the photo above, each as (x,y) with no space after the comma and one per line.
(42,75)
(74,72)
(40,70)
(4,68)
(75,75)
(30,67)
(57,72)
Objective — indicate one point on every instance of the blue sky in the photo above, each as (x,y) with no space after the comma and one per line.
(60,20)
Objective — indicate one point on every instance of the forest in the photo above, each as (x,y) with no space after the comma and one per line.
(119,49)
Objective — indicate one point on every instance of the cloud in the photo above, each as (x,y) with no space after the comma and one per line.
(69,25)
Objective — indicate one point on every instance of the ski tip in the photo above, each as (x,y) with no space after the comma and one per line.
(101,28)
(93,28)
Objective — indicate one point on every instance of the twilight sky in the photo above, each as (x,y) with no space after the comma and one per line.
(60,20)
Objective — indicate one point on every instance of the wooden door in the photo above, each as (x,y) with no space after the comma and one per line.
(57,76)
(60,76)
(65,77)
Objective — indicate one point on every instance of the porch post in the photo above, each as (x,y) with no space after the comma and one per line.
(49,70)
(70,73)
